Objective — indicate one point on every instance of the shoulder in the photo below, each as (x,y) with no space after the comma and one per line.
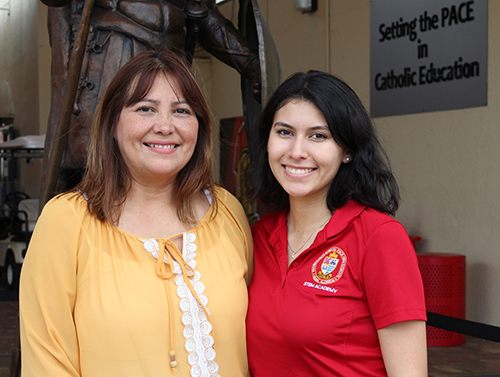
(231,215)
(359,218)
(65,203)
(230,205)
(65,211)
(369,217)
(382,231)
(226,198)
(267,223)
(63,220)
(373,220)
(375,217)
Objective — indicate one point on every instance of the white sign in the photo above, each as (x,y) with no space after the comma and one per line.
(427,55)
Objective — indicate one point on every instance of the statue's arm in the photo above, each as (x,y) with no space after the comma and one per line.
(219,37)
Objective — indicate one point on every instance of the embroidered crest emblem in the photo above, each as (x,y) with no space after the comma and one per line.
(330,266)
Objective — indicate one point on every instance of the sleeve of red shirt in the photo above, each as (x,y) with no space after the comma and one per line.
(392,281)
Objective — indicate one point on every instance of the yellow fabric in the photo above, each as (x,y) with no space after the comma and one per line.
(92,303)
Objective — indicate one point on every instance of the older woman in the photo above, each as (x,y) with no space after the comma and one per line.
(336,289)
(141,271)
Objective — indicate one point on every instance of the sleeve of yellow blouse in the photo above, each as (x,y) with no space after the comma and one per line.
(249,251)
(47,293)
(239,214)
(247,232)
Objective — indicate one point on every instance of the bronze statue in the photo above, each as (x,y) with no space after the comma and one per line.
(118,29)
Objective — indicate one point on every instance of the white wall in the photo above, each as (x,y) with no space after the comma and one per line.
(18,49)
(44,61)
(447,163)
(18,65)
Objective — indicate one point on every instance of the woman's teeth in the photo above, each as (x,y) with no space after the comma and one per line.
(170,146)
(298,171)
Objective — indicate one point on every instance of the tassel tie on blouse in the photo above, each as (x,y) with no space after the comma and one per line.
(168,250)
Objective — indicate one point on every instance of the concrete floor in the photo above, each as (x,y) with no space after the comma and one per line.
(476,357)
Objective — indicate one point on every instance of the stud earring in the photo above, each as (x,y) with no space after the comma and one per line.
(347,159)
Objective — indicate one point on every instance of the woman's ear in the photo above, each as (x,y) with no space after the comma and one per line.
(347,158)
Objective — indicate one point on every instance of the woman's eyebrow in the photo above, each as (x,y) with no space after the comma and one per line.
(149,100)
(313,128)
(282,124)
(180,102)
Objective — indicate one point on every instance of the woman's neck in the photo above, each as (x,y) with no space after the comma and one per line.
(305,214)
(305,219)
(152,195)
(150,212)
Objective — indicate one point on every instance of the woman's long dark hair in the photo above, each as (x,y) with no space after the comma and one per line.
(367,178)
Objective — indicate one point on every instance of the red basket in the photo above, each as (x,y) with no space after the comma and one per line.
(443,275)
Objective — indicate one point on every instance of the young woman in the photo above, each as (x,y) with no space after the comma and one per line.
(141,271)
(336,289)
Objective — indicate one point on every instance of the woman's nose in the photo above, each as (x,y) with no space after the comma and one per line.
(298,149)
(163,123)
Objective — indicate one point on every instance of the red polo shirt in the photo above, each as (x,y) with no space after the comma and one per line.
(319,317)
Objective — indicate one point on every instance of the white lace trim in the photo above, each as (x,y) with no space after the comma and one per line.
(209,197)
(197,328)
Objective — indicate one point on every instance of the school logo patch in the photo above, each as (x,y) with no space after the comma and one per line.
(330,266)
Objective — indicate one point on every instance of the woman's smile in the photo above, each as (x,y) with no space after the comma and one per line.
(161,146)
(297,171)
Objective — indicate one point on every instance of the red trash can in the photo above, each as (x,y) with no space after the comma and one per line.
(443,275)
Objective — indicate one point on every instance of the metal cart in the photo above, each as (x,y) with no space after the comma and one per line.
(19,212)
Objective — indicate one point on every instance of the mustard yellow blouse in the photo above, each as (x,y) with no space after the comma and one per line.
(94,301)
